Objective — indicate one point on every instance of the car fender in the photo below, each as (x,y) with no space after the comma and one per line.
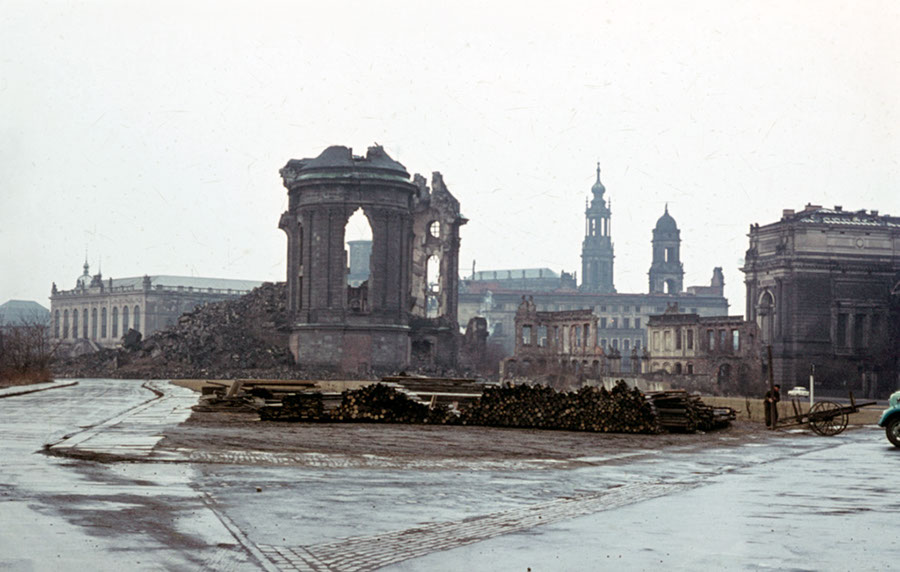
(887,415)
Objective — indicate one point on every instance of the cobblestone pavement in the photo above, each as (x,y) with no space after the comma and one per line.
(376,551)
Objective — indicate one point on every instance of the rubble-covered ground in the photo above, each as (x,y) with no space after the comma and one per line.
(244,337)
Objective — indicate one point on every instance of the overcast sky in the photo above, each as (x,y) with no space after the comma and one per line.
(150,134)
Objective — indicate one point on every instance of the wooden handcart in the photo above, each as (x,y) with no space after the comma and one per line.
(826,418)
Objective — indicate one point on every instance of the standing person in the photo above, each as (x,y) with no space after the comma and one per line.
(773,396)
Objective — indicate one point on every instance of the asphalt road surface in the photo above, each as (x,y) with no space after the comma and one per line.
(105,496)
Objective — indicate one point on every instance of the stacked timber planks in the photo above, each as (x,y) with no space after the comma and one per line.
(677,410)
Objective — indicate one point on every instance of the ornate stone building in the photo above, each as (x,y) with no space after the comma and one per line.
(405,312)
(824,287)
(715,354)
(597,248)
(97,312)
(621,317)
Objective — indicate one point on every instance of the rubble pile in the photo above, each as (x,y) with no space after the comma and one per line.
(679,411)
(621,410)
(244,337)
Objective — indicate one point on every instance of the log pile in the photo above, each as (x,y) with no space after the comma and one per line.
(621,410)
(677,410)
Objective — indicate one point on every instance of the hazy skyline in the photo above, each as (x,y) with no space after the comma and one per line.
(151,135)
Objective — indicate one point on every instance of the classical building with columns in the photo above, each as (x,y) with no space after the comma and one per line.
(97,313)
(824,287)
(404,313)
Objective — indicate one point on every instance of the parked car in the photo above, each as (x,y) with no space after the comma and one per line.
(890,419)
(799,391)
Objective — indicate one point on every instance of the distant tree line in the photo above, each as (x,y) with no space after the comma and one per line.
(25,352)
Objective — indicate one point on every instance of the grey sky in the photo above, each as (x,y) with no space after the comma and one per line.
(151,134)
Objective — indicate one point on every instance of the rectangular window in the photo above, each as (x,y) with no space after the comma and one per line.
(711,335)
(690,339)
(723,339)
(859,329)
(603,343)
(637,344)
(614,323)
(736,340)
(678,338)
(637,323)
(602,308)
(578,340)
(555,335)
(667,340)
(603,323)
(626,345)
(626,323)
(637,309)
(587,335)
(690,369)
(526,335)
(655,341)
(615,343)
(841,331)
(542,336)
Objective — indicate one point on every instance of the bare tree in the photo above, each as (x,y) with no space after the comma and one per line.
(25,351)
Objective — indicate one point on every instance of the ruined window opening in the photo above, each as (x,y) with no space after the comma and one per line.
(137,318)
(736,340)
(56,324)
(690,369)
(526,335)
(115,322)
(578,338)
(542,336)
(357,260)
(124,320)
(433,287)
(666,255)
(103,323)
(670,287)
(434,229)
(690,339)
(723,340)
(587,334)
(711,339)
(678,368)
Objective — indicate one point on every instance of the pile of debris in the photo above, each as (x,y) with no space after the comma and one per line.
(244,337)
(678,410)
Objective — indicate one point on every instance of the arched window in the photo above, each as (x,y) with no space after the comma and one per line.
(103,322)
(93,323)
(433,287)
(137,318)
(124,320)
(678,368)
(84,323)
(115,322)
(56,324)
(65,324)
(74,324)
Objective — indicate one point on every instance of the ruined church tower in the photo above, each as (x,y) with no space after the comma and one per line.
(666,271)
(597,248)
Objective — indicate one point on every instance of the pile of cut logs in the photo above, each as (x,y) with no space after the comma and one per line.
(620,410)
(677,410)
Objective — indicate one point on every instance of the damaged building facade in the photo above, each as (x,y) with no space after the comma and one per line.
(404,311)
(98,312)
(621,317)
(823,285)
(713,354)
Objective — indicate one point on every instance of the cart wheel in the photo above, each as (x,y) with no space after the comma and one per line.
(828,418)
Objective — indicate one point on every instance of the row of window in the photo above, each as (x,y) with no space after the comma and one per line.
(580,333)
(93,323)
(715,339)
